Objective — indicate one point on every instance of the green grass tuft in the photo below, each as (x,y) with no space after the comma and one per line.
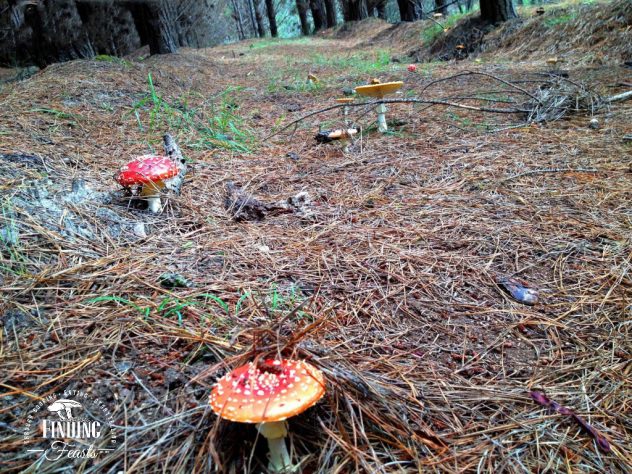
(213,124)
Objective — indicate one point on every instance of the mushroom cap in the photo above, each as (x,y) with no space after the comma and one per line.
(342,133)
(345,100)
(272,390)
(147,169)
(379,90)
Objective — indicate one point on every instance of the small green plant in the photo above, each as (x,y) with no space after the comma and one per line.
(123,301)
(462,121)
(560,19)
(284,300)
(60,114)
(298,83)
(365,62)
(172,306)
(273,42)
(224,129)
(111,59)
(432,32)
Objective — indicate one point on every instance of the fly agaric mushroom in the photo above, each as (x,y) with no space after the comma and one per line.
(379,91)
(267,393)
(150,172)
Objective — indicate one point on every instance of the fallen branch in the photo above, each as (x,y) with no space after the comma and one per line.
(541,399)
(619,97)
(398,101)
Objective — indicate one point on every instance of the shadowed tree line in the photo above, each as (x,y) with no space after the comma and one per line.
(41,32)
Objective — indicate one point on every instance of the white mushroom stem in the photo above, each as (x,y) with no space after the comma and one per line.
(278,458)
(151,193)
(381,118)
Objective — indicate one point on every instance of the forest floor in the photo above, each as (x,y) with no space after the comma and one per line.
(392,283)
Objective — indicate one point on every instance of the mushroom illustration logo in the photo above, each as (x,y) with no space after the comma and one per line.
(150,172)
(63,408)
(267,393)
(379,90)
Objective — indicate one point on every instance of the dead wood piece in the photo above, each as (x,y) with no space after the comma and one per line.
(300,204)
(620,97)
(172,150)
(245,207)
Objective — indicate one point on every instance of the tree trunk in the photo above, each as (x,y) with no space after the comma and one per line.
(154,28)
(251,14)
(330,6)
(441,7)
(318,14)
(261,29)
(355,10)
(238,19)
(381,9)
(497,11)
(272,18)
(301,6)
(410,10)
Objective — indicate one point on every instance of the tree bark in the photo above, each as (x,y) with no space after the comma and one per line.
(410,10)
(272,18)
(355,10)
(381,9)
(153,28)
(301,7)
(330,6)
(497,11)
(318,14)
(261,29)
(251,14)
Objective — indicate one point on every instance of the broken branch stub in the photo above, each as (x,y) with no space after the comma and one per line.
(172,150)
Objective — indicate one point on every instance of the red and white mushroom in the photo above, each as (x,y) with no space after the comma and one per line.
(267,393)
(150,172)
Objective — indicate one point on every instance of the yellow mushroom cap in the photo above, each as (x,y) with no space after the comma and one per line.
(272,390)
(379,90)
(345,100)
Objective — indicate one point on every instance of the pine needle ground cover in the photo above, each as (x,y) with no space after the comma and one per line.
(392,287)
